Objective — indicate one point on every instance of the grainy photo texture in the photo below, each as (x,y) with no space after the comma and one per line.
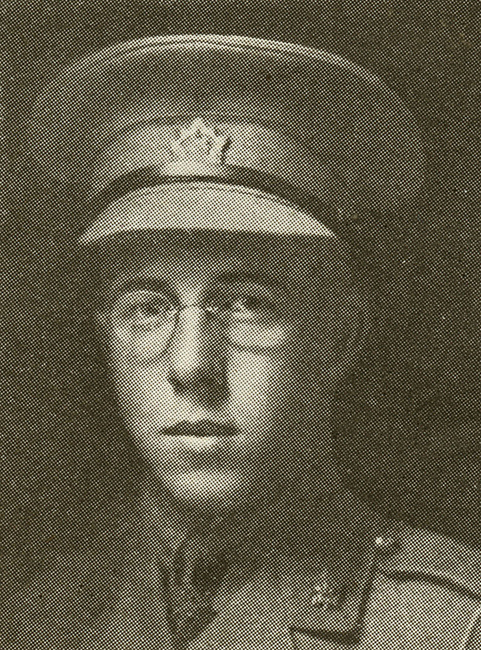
(240,325)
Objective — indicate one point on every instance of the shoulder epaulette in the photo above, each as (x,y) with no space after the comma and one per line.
(424,555)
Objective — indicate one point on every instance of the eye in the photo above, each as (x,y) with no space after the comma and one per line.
(142,310)
(246,302)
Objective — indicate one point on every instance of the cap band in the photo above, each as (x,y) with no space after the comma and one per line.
(240,152)
(156,155)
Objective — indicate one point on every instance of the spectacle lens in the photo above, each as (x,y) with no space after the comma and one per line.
(142,311)
(247,315)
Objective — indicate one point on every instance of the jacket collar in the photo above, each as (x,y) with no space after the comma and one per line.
(322,595)
(323,598)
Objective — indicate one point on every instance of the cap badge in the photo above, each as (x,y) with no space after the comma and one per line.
(200,143)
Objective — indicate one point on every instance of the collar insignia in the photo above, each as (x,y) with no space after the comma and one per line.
(326,597)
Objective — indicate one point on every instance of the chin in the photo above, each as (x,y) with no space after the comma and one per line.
(209,490)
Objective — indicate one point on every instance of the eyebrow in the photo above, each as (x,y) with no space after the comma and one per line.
(158,284)
(248,276)
(162,285)
(134,284)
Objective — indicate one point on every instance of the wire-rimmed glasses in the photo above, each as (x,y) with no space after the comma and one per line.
(246,315)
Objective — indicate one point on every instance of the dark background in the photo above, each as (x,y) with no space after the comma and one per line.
(408,432)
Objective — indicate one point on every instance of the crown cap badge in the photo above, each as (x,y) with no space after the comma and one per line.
(200,143)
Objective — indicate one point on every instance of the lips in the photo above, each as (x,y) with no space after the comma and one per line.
(201,429)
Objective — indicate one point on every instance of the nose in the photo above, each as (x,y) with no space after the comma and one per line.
(196,358)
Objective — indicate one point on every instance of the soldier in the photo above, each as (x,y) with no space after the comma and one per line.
(226,183)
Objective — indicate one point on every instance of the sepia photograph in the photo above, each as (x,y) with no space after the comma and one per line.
(240,258)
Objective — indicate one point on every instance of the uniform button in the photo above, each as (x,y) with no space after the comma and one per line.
(385,543)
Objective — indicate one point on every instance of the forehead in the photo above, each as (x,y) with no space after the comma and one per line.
(188,255)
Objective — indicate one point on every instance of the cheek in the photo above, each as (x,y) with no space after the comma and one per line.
(287,388)
(261,385)
(142,389)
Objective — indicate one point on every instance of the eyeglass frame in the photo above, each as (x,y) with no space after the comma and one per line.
(176,312)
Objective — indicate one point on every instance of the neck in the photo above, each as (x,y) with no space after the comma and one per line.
(317,519)
(170,522)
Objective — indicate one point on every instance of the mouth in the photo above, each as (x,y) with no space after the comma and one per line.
(201,429)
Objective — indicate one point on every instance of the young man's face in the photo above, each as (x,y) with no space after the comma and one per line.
(225,353)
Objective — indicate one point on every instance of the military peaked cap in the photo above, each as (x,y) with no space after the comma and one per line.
(159,118)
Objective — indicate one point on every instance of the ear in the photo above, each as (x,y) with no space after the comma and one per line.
(357,325)
(101,331)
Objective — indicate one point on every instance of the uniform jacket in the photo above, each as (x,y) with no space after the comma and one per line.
(414,590)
